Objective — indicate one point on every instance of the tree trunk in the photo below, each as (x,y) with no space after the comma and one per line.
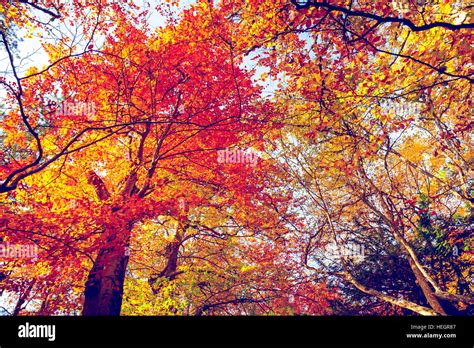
(426,288)
(170,271)
(393,300)
(422,277)
(104,286)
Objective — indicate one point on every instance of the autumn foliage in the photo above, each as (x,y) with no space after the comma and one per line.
(236,158)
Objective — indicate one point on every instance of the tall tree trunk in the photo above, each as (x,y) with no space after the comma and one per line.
(104,286)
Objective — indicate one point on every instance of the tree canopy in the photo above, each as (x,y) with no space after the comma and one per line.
(236,157)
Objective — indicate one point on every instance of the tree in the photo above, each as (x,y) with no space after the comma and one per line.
(190,188)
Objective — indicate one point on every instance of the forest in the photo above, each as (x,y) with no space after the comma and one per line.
(236,157)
